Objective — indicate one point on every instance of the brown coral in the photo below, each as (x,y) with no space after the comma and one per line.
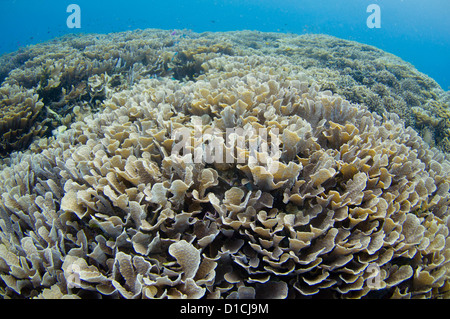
(19,108)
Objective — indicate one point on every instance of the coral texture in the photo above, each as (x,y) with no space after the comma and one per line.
(335,201)
(19,108)
(367,75)
(82,71)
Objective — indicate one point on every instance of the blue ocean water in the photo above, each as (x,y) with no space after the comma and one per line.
(418,31)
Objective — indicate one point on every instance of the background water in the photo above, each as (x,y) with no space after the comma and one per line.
(416,30)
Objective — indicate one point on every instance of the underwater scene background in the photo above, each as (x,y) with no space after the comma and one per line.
(224,149)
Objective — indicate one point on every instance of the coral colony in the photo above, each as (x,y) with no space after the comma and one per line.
(221,165)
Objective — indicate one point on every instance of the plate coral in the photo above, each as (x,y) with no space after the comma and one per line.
(96,202)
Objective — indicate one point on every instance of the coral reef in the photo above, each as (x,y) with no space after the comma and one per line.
(19,108)
(84,70)
(358,205)
(365,74)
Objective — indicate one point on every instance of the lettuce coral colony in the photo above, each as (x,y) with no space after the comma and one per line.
(98,204)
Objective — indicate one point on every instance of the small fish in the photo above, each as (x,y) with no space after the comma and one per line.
(174,32)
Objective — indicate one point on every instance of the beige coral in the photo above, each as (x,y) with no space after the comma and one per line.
(357,207)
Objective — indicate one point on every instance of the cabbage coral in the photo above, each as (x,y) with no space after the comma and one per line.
(358,205)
